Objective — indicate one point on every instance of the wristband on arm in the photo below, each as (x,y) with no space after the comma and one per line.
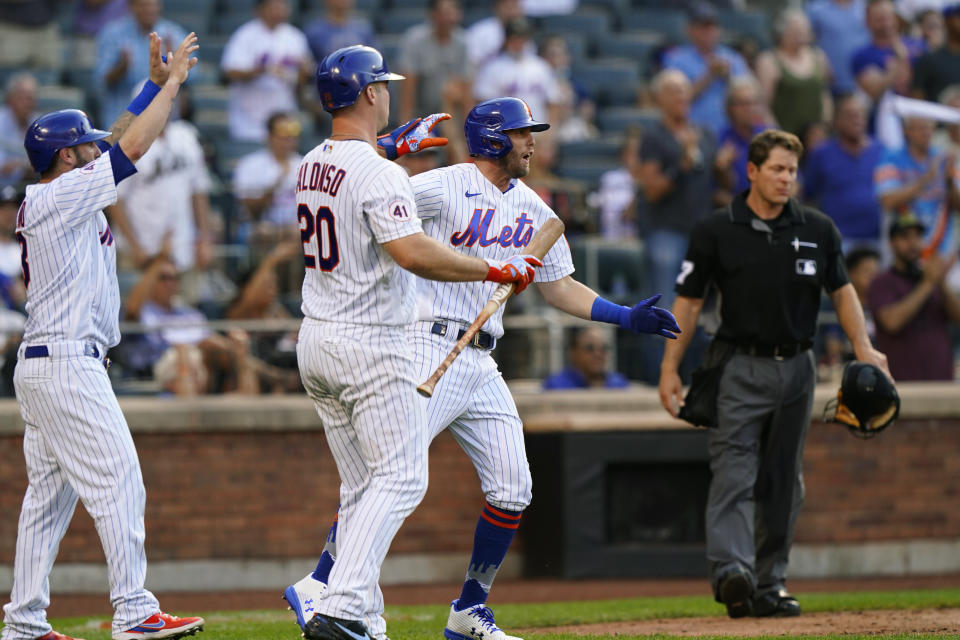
(605,311)
(144,98)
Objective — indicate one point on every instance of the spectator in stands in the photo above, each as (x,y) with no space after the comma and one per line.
(123,60)
(708,65)
(519,72)
(485,37)
(10,199)
(948,137)
(795,75)
(30,34)
(19,111)
(863,265)
(274,351)
(168,197)
(931,29)
(919,178)
(882,68)
(265,181)
(746,116)
(839,28)
(616,197)
(433,57)
(838,176)
(589,364)
(89,17)
(265,61)
(574,108)
(938,69)
(339,27)
(153,301)
(677,170)
(913,308)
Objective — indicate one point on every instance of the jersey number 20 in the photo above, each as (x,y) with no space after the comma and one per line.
(325,228)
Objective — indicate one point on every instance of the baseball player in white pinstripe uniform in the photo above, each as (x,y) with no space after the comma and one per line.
(481,209)
(76,441)
(362,239)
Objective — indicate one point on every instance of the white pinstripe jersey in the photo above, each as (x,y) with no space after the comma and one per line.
(465,211)
(349,202)
(69,257)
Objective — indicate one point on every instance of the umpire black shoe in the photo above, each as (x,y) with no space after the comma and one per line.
(735,590)
(776,604)
(321,627)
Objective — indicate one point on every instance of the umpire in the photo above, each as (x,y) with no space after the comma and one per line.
(769,256)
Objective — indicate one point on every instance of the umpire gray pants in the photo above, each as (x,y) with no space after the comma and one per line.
(756,453)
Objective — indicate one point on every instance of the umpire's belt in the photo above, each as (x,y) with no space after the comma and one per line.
(482,340)
(65,350)
(775,351)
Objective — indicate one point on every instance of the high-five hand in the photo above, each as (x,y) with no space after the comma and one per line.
(180,61)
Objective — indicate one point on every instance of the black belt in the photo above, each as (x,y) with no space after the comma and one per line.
(482,340)
(775,351)
(42,351)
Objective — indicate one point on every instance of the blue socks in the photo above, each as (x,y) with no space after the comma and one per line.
(494,533)
(322,572)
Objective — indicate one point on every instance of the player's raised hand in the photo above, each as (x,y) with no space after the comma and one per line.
(412,136)
(159,63)
(180,61)
(646,318)
(518,269)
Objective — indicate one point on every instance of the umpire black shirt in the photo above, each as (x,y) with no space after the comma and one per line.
(769,272)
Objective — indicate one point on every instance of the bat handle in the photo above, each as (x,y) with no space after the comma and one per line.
(426,388)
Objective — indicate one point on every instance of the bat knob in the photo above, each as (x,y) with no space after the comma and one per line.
(425,391)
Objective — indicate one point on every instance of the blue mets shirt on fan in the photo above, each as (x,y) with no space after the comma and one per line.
(897,168)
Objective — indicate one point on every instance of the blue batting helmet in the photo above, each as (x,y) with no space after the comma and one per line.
(343,74)
(58,130)
(487,122)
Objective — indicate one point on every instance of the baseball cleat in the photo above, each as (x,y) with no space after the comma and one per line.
(162,625)
(473,623)
(303,597)
(54,635)
(776,604)
(324,627)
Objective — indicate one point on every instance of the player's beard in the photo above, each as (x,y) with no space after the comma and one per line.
(83,157)
(513,164)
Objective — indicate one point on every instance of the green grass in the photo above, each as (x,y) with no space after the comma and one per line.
(426,622)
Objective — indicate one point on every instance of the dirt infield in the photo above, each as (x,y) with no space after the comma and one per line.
(851,622)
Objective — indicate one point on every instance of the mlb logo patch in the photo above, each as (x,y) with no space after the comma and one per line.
(806,267)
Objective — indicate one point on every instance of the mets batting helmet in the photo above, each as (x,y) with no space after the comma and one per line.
(343,74)
(867,401)
(58,130)
(487,123)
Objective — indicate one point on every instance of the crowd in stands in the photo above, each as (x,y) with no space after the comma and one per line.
(652,106)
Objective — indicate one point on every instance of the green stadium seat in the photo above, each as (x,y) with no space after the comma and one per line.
(210,97)
(586,171)
(670,23)
(611,81)
(590,23)
(397,21)
(635,45)
(616,120)
(54,97)
(601,150)
(749,24)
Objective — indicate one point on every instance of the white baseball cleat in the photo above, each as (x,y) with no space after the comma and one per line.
(473,623)
(303,597)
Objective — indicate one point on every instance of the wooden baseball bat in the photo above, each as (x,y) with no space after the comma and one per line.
(541,242)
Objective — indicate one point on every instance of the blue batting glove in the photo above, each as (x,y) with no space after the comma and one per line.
(646,318)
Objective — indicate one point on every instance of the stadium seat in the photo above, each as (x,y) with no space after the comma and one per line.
(399,20)
(672,24)
(210,97)
(212,124)
(576,46)
(616,120)
(602,150)
(635,45)
(229,153)
(749,24)
(53,97)
(586,171)
(205,6)
(611,81)
(211,49)
(226,23)
(594,24)
(197,21)
(615,5)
